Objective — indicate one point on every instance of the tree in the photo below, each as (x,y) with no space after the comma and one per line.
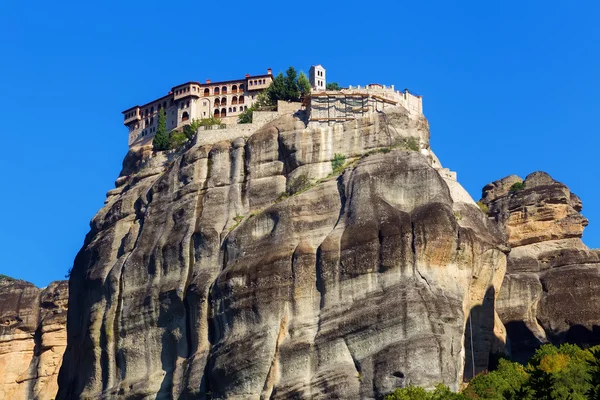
(303,84)
(161,139)
(277,89)
(593,393)
(333,86)
(292,92)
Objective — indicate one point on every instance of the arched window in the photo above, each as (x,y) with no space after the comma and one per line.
(216,91)
(242,87)
(224,101)
(185,116)
(234,89)
(217,114)
(234,100)
(229,109)
(217,102)
(206,92)
(234,109)
(241,100)
(223,113)
(224,90)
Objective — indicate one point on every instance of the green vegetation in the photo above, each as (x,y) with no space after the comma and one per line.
(238,220)
(262,103)
(441,392)
(303,84)
(5,278)
(176,139)
(288,87)
(332,86)
(161,139)
(412,143)
(517,186)
(483,207)
(338,163)
(566,372)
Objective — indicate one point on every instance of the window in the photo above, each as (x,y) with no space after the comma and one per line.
(233,109)
(193,88)
(216,91)
(224,90)
(206,92)
(229,109)
(250,83)
(224,101)
(223,112)
(217,113)
(234,89)
(241,100)
(242,87)
(234,100)
(217,102)
(204,113)
(185,116)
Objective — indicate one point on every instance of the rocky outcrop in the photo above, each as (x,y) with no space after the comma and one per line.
(32,338)
(552,286)
(246,269)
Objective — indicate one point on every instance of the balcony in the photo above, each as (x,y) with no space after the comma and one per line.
(131,119)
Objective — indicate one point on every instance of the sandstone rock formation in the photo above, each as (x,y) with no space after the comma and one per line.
(552,286)
(33,338)
(198,276)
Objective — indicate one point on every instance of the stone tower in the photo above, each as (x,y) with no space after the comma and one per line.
(317,77)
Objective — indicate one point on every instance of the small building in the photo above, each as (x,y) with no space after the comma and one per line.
(316,76)
(193,100)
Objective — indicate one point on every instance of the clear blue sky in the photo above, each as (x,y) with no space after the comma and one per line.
(509,88)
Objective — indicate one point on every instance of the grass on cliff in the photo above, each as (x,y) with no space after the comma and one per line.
(565,372)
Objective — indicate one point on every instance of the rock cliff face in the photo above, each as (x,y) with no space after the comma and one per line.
(198,276)
(552,286)
(33,338)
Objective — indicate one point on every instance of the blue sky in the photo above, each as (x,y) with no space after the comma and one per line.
(509,88)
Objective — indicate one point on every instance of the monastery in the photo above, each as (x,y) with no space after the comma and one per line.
(227,99)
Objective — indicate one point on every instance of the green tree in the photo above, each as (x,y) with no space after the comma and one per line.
(303,84)
(277,89)
(332,86)
(409,393)
(559,373)
(292,92)
(593,393)
(161,139)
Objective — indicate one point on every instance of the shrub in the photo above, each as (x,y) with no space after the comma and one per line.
(338,163)
(441,392)
(177,139)
(332,86)
(517,186)
(412,143)
(483,207)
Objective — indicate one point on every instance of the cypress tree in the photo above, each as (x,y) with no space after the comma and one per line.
(292,93)
(161,139)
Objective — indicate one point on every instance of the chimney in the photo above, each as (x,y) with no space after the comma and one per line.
(247,75)
(207,81)
(269,71)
